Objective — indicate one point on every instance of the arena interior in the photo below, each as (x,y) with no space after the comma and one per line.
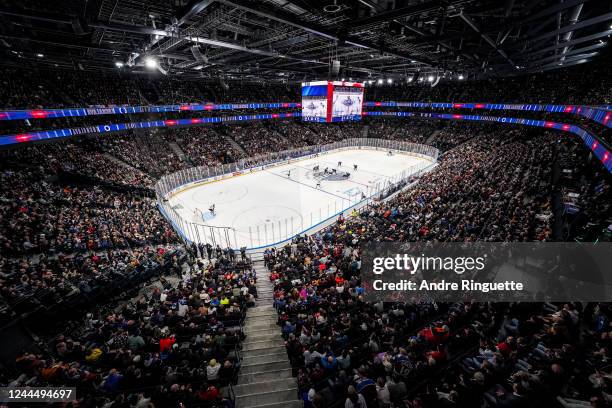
(182,224)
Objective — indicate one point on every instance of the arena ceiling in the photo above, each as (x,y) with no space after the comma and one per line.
(301,39)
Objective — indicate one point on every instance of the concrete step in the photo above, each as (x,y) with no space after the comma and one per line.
(261,387)
(261,316)
(261,308)
(265,358)
(259,330)
(262,325)
(276,350)
(252,368)
(283,404)
(265,335)
(267,318)
(273,397)
(264,376)
(256,344)
(262,313)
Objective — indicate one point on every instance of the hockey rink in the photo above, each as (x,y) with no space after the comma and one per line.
(266,207)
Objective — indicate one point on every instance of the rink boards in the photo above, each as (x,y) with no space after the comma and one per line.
(268,205)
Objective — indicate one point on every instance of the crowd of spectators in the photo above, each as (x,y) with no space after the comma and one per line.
(63,236)
(77,222)
(302,134)
(175,344)
(256,139)
(569,86)
(39,88)
(83,157)
(585,195)
(39,215)
(82,201)
(146,151)
(386,354)
(204,146)
(408,130)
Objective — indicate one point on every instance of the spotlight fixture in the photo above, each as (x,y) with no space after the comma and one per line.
(151,63)
(40,55)
(119,64)
(430,78)
(380,81)
(461,77)
(390,80)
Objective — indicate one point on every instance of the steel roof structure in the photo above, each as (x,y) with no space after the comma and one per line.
(306,39)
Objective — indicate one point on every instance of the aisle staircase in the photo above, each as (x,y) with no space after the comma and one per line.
(237,146)
(179,152)
(365,130)
(432,137)
(280,136)
(120,162)
(265,379)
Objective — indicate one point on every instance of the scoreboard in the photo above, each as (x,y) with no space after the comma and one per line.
(332,101)
(315,96)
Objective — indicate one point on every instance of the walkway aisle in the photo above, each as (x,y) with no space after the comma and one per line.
(265,379)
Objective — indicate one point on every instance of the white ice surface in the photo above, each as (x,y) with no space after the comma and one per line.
(267,206)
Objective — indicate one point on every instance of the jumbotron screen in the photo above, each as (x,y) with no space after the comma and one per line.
(332,101)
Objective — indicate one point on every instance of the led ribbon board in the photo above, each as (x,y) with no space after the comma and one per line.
(123,110)
(60,133)
(598,114)
(601,114)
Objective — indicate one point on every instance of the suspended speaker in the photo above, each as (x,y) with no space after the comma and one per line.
(335,69)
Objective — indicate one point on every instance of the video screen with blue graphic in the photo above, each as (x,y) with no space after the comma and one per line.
(314,101)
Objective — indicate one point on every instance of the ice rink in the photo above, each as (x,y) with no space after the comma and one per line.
(265,207)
